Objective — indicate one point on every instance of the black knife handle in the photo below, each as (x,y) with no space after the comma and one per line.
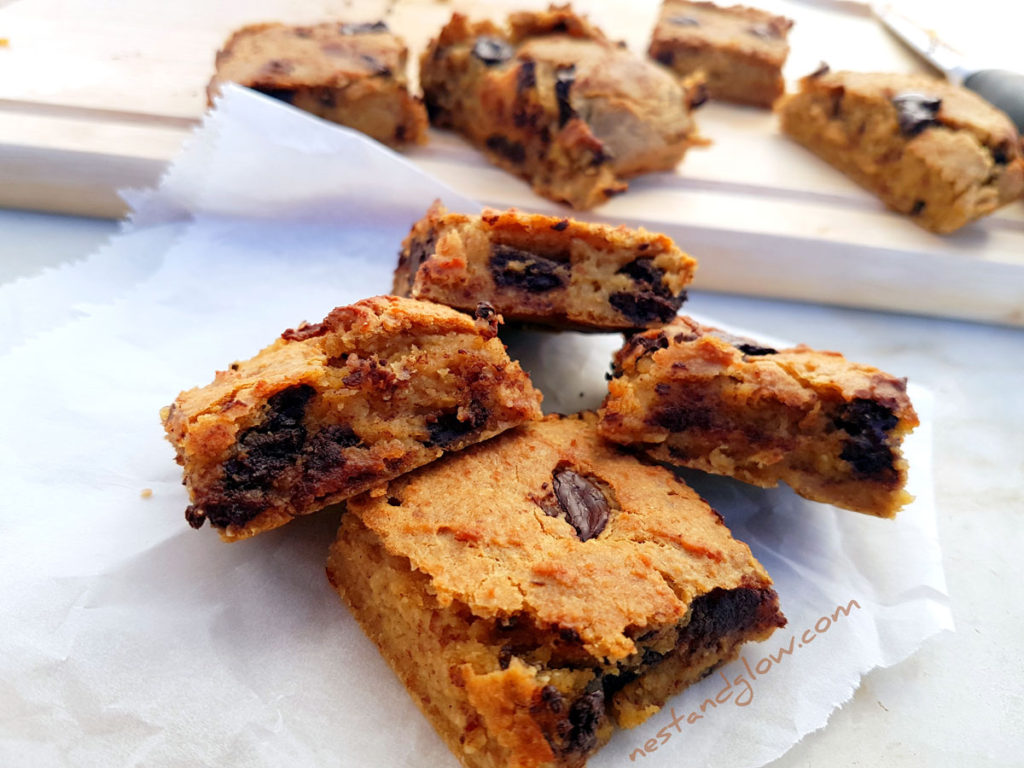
(1003,89)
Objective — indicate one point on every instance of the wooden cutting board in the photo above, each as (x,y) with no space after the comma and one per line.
(96,100)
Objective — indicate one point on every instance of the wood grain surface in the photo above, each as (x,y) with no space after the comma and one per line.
(97,97)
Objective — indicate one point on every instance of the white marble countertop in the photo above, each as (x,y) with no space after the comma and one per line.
(960,700)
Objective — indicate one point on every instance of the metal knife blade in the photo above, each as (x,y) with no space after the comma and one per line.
(1002,88)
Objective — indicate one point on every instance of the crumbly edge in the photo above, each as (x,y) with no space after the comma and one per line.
(736,76)
(559,271)
(705,420)
(933,197)
(358,420)
(509,693)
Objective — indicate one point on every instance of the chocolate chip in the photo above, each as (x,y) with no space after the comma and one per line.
(665,56)
(394,501)
(264,451)
(362,29)
(1001,154)
(564,78)
(375,66)
(683,21)
(646,305)
(823,69)
(323,453)
(727,613)
(194,516)
(585,506)
(526,76)
(447,430)
(486,317)
(586,716)
(560,226)
(919,206)
(303,332)
(327,97)
(552,699)
(642,270)
(916,111)
(512,151)
(514,268)
(492,50)
(649,344)
(754,350)
(868,424)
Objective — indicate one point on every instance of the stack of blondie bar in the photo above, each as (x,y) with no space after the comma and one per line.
(535,581)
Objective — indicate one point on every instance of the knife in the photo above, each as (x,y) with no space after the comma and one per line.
(1000,87)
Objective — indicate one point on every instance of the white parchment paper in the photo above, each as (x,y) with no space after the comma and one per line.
(130,639)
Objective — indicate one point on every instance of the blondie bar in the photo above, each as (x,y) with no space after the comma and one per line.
(535,591)
(352,74)
(544,269)
(930,149)
(331,409)
(697,397)
(551,99)
(740,50)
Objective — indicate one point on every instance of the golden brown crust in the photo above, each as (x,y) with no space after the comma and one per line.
(522,629)
(697,397)
(552,100)
(352,74)
(740,50)
(544,269)
(328,410)
(926,147)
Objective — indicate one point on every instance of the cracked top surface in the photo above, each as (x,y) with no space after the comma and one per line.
(550,522)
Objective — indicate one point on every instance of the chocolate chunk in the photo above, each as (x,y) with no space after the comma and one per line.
(585,716)
(420,249)
(665,56)
(647,305)
(868,425)
(727,612)
(303,332)
(649,344)
(552,698)
(1001,154)
(564,78)
(264,451)
(194,516)
(486,317)
(683,21)
(287,95)
(585,506)
(531,272)
(823,69)
(916,111)
(323,452)
(680,417)
(754,350)
(513,151)
(362,29)
(560,226)
(919,206)
(492,50)
(526,77)
(447,430)
(643,271)
(746,346)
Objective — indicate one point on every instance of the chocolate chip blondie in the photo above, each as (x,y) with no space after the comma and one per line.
(331,409)
(352,74)
(544,269)
(740,50)
(535,591)
(697,397)
(551,99)
(932,150)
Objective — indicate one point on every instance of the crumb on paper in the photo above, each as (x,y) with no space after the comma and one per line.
(146,493)
(5,42)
